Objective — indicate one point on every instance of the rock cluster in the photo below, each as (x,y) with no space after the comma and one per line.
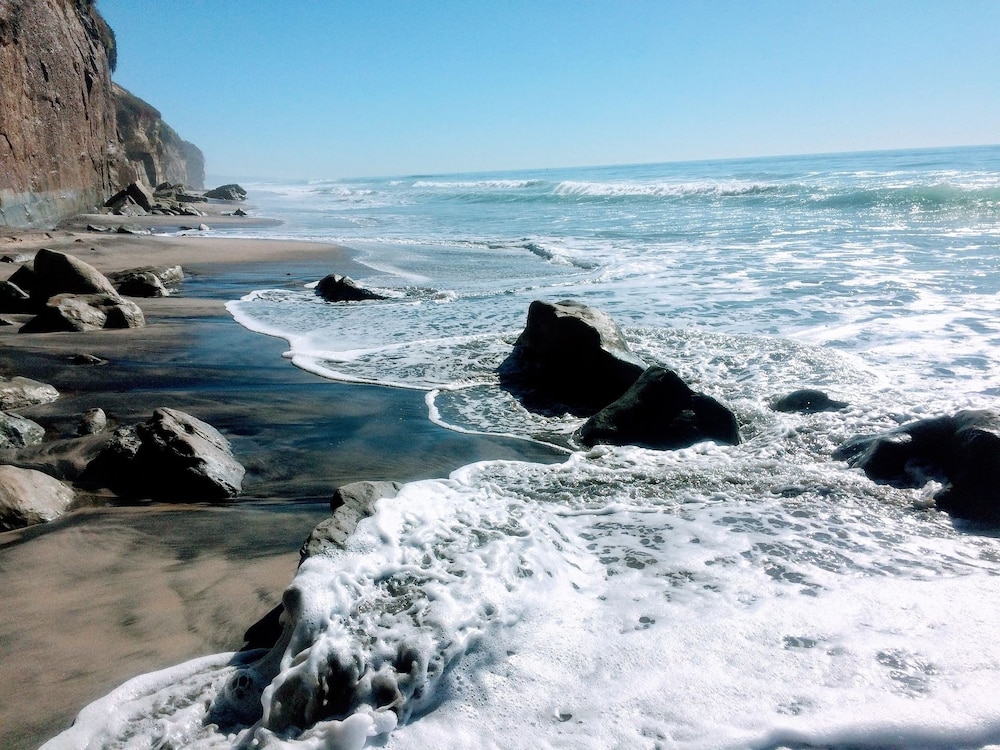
(136,199)
(66,294)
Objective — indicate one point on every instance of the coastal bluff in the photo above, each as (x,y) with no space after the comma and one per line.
(69,137)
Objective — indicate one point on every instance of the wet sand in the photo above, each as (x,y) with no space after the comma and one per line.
(107,593)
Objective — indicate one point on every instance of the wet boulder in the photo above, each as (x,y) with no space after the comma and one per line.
(350,503)
(28,497)
(93,422)
(174,457)
(962,451)
(570,357)
(18,392)
(807,401)
(17,431)
(139,283)
(14,299)
(662,412)
(335,288)
(85,312)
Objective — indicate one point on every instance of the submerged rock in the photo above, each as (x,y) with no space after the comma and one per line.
(962,450)
(173,457)
(18,392)
(569,357)
(28,497)
(662,412)
(807,401)
(334,288)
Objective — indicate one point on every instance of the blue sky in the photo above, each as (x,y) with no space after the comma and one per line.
(350,88)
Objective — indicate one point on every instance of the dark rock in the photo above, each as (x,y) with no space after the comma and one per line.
(25,278)
(807,401)
(136,192)
(19,258)
(661,412)
(86,359)
(85,312)
(351,503)
(139,283)
(17,431)
(334,288)
(99,228)
(962,451)
(570,357)
(173,457)
(265,632)
(231,192)
(191,198)
(17,392)
(28,497)
(239,212)
(13,299)
(93,422)
(132,229)
(59,273)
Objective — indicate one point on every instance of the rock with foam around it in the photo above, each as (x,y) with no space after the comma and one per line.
(662,412)
(570,357)
(174,457)
(18,392)
(17,431)
(350,503)
(962,451)
(807,401)
(28,497)
(335,288)
(85,312)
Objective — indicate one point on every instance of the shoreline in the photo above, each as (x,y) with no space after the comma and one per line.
(106,593)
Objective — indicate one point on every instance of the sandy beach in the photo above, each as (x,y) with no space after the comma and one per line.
(112,591)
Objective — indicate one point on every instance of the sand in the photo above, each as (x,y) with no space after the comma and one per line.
(112,591)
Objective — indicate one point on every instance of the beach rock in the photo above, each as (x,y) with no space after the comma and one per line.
(13,299)
(569,357)
(136,192)
(174,457)
(132,229)
(334,288)
(962,451)
(28,497)
(59,273)
(231,192)
(24,278)
(239,212)
(93,422)
(103,229)
(17,392)
(86,359)
(662,412)
(17,431)
(807,401)
(139,283)
(85,312)
(350,503)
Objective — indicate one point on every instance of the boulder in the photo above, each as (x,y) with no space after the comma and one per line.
(351,503)
(139,283)
(136,192)
(662,412)
(93,422)
(231,192)
(334,288)
(28,497)
(962,451)
(807,401)
(85,312)
(173,457)
(569,357)
(17,431)
(133,229)
(17,392)
(59,273)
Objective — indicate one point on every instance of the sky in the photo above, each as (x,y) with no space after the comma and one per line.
(311,89)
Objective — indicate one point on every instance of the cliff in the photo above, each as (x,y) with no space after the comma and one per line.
(60,150)
(154,150)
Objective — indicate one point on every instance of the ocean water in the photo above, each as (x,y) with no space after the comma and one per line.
(754,596)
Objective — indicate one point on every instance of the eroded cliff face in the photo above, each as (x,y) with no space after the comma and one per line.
(59,147)
(154,150)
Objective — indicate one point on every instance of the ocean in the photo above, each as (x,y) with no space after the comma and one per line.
(762,595)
